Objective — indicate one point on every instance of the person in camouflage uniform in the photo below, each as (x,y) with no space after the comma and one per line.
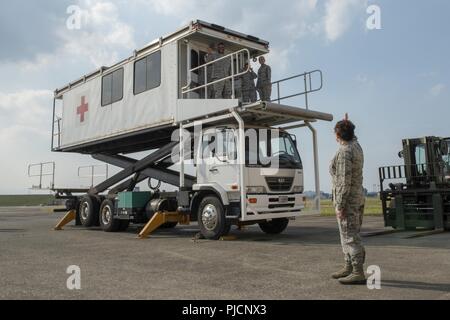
(248,85)
(221,69)
(264,83)
(346,170)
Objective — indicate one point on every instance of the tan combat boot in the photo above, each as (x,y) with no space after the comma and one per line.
(344,272)
(356,277)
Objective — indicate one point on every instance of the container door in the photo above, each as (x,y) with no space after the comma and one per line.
(193,77)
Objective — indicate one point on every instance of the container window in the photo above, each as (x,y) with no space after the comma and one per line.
(112,87)
(117,85)
(140,78)
(147,73)
(106,89)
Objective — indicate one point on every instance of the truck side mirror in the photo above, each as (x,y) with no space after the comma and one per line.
(400,154)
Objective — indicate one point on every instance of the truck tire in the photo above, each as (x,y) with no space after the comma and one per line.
(275,226)
(88,211)
(107,221)
(211,218)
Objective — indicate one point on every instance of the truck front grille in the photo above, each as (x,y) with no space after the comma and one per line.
(279,183)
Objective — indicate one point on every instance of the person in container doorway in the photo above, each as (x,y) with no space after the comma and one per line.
(220,70)
(248,84)
(264,83)
(346,170)
(210,56)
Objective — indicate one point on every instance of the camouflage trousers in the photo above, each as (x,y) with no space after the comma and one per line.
(265,92)
(249,95)
(349,229)
(222,89)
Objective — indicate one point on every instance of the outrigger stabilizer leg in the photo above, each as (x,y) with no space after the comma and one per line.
(69,216)
(161,217)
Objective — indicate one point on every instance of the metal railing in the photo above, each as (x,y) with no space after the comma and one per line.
(56,128)
(92,174)
(308,86)
(43,172)
(234,58)
(57,133)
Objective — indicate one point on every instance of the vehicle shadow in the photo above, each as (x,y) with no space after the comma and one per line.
(297,235)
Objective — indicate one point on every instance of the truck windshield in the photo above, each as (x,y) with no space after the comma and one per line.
(271,148)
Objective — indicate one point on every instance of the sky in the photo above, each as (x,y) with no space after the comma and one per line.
(393,82)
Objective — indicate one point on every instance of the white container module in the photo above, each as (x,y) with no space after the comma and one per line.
(135,104)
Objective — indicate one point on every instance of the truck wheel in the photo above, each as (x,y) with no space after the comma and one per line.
(275,226)
(88,211)
(107,221)
(211,218)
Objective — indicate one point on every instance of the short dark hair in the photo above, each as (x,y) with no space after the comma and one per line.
(345,129)
(221,44)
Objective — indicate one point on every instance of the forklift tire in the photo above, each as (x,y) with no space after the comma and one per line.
(107,221)
(211,218)
(276,226)
(124,225)
(88,211)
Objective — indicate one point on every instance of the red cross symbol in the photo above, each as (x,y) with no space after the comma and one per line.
(83,108)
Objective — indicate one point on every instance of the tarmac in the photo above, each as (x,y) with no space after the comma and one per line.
(171,265)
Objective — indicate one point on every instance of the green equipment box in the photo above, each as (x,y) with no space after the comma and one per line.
(133,199)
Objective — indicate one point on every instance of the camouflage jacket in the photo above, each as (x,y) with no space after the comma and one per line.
(221,68)
(264,76)
(248,80)
(346,170)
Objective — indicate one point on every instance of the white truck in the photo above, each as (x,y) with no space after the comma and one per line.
(248,168)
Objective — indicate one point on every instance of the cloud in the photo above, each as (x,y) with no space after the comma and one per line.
(338,17)
(102,35)
(437,89)
(102,38)
(24,112)
(28,27)
(25,117)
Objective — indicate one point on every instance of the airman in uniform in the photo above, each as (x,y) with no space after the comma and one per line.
(346,170)
(248,85)
(264,83)
(221,69)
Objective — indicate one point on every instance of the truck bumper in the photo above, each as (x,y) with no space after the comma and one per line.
(273,206)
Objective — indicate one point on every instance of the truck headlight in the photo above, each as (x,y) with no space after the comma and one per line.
(256,190)
(297,189)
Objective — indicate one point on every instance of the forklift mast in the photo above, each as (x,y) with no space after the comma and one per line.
(427,161)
